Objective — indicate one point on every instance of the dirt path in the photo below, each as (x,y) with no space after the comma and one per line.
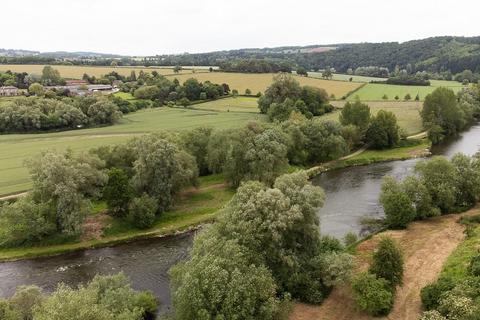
(426,244)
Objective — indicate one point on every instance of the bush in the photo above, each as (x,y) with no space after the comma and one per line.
(118,192)
(430,294)
(350,239)
(474,267)
(388,262)
(373,295)
(398,206)
(142,211)
(432,315)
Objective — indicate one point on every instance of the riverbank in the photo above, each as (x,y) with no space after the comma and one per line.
(194,208)
(427,245)
(365,157)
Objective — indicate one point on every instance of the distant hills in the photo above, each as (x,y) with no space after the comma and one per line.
(436,54)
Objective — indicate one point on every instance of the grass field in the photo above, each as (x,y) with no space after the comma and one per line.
(375,91)
(238,104)
(260,82)
(76,72)
(407,113)
(346,77)
(16,148)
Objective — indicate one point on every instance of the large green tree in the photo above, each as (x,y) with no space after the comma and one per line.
(383,131)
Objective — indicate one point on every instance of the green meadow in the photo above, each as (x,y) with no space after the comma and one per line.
(16,148)
(376,91)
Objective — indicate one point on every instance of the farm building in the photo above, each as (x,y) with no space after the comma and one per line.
(9,91)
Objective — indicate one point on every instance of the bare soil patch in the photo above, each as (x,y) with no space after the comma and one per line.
(426,245)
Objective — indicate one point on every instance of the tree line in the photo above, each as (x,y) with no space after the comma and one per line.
(43,114)
(444,114)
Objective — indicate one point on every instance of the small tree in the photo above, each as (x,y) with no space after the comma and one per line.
(408,97)
(397,97)
(142,211)
(388,262)
(417,97)
(383,131)
(234,92)
(385,97)
(373,295)
(184,102)
(248,92)
(36,89)
(118,192)
(398,206)
(301,71)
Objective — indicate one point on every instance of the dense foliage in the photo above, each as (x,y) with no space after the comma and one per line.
(265,246)
(40,114)
(441,186)
(285,95)
(255,65)
(444,114)
(104,298)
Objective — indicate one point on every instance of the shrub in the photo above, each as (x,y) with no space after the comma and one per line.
(142,211)
(350,239)
(373,295)
(474,267)
(388,262)
(457,307)
(432,315)
(430,294)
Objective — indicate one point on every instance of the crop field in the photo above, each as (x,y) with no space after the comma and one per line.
(76,72)
(375,91)
(260,82)
(16,148)
(346,77)
(407,113)
(238,104)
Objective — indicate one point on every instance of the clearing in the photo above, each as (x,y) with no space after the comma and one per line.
(407,113)
(259,82)
(375,91)
(16,148)
(76,72)
(426,244)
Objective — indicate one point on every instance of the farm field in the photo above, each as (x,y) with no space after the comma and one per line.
(260,82)
(238,104)
(16,148)
(407,113)
(346,77)
(375,91)
(76,72)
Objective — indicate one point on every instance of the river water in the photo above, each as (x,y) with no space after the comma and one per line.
(351,193)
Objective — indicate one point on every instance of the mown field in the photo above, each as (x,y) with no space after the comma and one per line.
(260,82)
(375,91)
(408,113)
(238,104)
(16,148)
(346,77)
(76,72)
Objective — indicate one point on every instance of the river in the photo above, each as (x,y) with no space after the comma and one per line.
(351,194)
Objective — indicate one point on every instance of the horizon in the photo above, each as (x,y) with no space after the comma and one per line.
(152,28)
(233,49)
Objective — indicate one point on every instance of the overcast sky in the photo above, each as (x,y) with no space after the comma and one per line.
(148,27)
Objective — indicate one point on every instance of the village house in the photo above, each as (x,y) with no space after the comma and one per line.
(9,91)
